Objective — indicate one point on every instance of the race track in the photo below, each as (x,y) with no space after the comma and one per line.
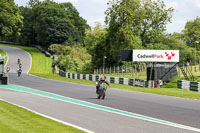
(177,110)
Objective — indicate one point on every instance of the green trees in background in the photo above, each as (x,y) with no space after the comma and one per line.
(11,21)
(192,32)
(130,24)
(48,22)
(133,24)
(72,58)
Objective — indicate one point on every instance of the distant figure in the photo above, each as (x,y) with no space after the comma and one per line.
(19,72)
(20,65)
(18,61)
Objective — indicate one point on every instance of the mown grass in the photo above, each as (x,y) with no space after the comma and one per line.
(40,63)
(2,53)
(17,120)
(137,75)
(161,91)
(14,119)
(170,90)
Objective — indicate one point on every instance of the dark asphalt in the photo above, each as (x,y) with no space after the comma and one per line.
(178,110)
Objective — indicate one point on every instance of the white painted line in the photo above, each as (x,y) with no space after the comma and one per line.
(113,110)
(60,121)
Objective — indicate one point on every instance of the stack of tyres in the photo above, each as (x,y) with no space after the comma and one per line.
(97,77)
(121,80)
(90,76)
(131,82)
(185,85)
(112,80)
(179,84)
(193,86)
(73,75)
(198,86)
(78,76)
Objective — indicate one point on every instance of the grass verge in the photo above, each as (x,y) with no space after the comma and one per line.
(40,63)
(14,119)
(2,53)
(41,66)
(161,91)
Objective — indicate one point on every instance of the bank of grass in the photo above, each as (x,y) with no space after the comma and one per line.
(161,91)
(40,63)
(41,66)
(17,120)
(14,119)
(2,53)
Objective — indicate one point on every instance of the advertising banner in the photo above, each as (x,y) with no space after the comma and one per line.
(156,55)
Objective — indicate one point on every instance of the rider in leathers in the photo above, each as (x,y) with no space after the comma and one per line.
(102,80)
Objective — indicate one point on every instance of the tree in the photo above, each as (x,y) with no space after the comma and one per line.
(49,22)
(135,23)
(10,21)
(120,20)
(154,21)
(80,24)
(192,32)
(72,58)
(94,37)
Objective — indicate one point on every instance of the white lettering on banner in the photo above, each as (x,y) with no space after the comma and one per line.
(156,55)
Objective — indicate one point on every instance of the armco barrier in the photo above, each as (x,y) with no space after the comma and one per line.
(117,80)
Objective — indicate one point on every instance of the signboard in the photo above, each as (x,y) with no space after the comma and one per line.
(156,55)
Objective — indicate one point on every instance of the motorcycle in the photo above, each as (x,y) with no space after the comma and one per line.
(19,72)
(18,61)
(102,91)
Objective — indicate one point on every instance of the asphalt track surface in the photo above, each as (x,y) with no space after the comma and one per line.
(173,109)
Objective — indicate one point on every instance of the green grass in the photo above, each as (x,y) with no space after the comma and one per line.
(14,119)
(40,63)
(41,66)
(138,75)
(161,91)
(2,53)
(17,120)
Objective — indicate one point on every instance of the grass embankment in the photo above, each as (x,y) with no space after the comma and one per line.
(161,91)
(40,63)
(2,53)
(14,119)
(17,120)
(46,72)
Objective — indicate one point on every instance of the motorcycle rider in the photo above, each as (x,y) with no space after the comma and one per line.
(18,60)
(19,72)
(102,80)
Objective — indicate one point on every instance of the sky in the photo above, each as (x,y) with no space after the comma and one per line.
(93,11)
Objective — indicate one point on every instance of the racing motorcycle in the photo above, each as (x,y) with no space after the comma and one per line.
(101,93)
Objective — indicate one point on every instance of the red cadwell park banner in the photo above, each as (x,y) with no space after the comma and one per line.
(156,55)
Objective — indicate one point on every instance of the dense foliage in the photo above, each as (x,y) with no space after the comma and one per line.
(72,59)
(11,21)
(48,22)
(130,24)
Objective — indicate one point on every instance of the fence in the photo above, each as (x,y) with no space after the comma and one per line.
(131,69)
(115,80)
(188,85)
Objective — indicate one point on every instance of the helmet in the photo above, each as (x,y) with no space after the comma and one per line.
(102,78)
